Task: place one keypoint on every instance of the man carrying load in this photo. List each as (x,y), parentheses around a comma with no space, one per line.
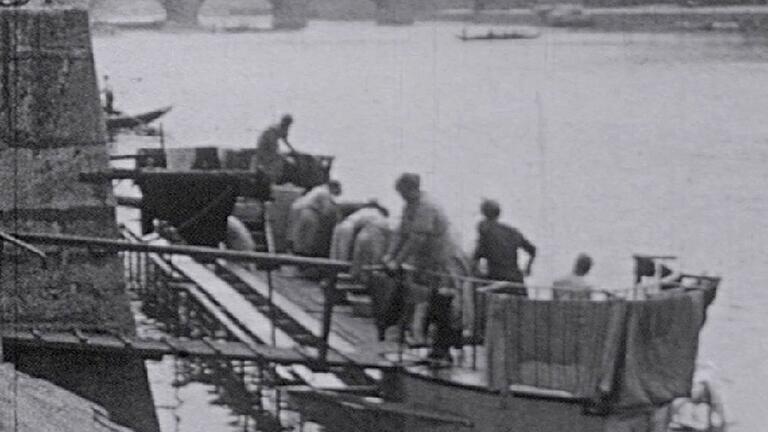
(313,217)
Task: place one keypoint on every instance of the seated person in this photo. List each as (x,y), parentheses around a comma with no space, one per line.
(574,286)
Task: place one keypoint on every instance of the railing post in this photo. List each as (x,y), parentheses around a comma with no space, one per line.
(329,296)
(273,328)
(475,325)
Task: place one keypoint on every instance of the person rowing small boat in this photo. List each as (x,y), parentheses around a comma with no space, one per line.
(118,120)
(492,35)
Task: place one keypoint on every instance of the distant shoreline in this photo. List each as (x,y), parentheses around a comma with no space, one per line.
(654,18)
(668,18)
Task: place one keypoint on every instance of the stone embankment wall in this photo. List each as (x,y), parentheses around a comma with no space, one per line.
(51,129)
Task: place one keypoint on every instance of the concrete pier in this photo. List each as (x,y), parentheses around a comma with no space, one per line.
(51,129)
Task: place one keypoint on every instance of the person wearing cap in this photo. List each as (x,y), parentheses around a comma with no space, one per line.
(423,240)
(574,286)
(312,218)
(498,244)
(267,156)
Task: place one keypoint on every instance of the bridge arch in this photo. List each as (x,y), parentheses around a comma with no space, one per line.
(290,14)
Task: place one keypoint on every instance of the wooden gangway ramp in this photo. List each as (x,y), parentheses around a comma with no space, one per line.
(157,348)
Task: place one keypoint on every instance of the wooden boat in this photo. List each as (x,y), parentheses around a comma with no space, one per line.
(565,16)
(416,396)
(125,121)
(491,35)
(224,185)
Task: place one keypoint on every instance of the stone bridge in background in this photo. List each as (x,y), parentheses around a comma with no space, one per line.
(285,13)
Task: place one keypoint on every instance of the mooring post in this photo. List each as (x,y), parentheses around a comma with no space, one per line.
(329,295)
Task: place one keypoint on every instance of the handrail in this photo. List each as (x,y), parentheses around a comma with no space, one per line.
(164,173)
(264,259)
(5,237)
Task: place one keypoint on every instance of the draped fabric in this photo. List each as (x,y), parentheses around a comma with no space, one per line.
(617,354)
(562,345)
(661,347)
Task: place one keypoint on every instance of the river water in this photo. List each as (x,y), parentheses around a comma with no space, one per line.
(610,144)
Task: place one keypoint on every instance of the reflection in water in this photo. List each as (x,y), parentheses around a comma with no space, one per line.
(218,396)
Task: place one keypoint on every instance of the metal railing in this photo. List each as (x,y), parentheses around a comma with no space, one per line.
(142,274)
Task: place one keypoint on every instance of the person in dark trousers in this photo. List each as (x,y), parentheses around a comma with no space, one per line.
(424,240)
(109,97)
(268,157)
(498,244)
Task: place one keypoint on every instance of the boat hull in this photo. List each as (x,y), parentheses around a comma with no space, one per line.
(505,36)
(418,402)
(123,121)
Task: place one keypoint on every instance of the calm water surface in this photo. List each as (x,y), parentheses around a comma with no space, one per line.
(606,143)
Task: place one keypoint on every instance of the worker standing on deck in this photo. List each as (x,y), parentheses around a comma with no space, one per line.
(312,219)
(267,157)
(498,244)
(423,240)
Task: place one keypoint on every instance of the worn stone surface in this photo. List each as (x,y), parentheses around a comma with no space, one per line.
(48,178)
(51,129)
(24,398)
(117,383)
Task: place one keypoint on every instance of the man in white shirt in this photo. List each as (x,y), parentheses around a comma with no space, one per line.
(574,286)
(313,217)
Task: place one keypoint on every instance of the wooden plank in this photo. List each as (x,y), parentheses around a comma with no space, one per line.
(204,301)
(310,323)
(149,348)
(379,406)
(232,301)
(316,379)
(211,307)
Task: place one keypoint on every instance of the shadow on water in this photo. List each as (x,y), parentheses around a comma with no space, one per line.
(193,394)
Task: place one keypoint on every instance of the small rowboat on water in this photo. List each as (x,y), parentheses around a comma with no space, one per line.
(491,35)
(125,121)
